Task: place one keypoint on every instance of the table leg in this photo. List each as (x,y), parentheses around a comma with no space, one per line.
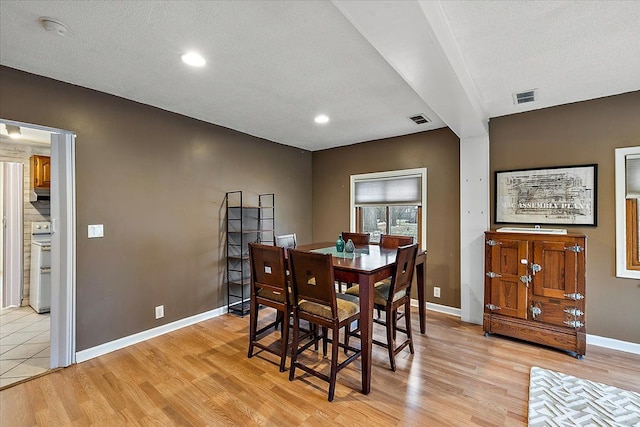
(420,282)
(366,328)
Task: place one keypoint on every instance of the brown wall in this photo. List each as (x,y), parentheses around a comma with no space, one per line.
(157,182)
(439,152)
(573,134)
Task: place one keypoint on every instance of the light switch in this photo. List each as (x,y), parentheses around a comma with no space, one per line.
(96,230)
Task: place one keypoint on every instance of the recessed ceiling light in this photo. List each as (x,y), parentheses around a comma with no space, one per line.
(53,26)
(321,119)
(194,59)
(13,131)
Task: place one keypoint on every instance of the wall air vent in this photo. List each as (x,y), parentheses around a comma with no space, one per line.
(420,119)
(523,97)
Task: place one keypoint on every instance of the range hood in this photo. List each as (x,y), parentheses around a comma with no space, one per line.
(39,194)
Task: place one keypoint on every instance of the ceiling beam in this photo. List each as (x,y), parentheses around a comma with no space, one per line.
(416,40)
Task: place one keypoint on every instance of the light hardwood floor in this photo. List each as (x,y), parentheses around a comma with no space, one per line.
(200,375)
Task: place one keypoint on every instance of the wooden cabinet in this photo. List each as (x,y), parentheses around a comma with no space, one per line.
(40,172)
(535,288)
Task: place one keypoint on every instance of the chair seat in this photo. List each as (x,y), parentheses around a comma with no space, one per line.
(348,305)
(384,281)
(381,292)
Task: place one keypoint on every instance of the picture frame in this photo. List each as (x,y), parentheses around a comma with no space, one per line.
(558,195)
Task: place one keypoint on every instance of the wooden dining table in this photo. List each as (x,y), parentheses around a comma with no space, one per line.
(366,266)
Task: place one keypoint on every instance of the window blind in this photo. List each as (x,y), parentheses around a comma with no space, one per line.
(402,190)
(633,175)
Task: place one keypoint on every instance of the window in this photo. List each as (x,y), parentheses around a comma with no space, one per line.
(390,203)
(628,212)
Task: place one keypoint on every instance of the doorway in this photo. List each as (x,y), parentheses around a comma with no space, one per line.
(62,220)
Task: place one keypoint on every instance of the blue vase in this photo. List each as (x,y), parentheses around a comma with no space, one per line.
(340,244)
(349,246)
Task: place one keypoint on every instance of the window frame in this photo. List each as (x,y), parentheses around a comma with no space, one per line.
(633,259)
(422,224)
(626,227)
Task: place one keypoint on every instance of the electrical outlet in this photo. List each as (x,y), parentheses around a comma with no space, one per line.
(436,292)
(159,311)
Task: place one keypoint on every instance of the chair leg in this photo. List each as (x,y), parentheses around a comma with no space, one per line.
(285,342)
(279,321)
(253,325)
(390,324)
(334,362)
(394,321)
(407,312)
(325,338)
(294,354)
(347,331)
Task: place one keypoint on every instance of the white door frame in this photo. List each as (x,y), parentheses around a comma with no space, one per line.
(63,244)
(63,238)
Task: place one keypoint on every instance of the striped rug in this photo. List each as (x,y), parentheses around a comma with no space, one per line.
(557,399)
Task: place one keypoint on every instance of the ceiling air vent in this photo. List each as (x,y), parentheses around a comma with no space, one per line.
(419,119)
(523,97)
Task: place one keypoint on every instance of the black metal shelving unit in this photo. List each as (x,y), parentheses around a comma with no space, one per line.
(245,224)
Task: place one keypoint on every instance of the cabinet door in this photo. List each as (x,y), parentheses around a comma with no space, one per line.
(41,171)
(558,274)
(508,294)
(45,167)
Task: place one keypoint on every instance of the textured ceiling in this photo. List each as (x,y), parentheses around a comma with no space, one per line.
(274,65)
(569,50)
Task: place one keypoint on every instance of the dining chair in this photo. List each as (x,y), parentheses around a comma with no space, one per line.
(393,242)
(269,287)
(316,301)
(389,297)
(390,241)
(287,241)
(358,239)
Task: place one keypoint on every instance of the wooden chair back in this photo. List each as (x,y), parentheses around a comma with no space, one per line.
(403,271)
(268,270)
(313,279)
(287,241)
(358,239)
(392,242)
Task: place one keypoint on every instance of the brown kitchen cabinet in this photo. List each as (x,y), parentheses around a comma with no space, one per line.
(535,288)
(40,172)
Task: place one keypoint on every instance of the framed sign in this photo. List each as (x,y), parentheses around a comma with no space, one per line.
(564,195)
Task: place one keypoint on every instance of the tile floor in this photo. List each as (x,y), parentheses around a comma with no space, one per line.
(24,344)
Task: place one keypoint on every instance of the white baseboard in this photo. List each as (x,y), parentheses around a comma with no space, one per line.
(613,344)
(439,308)
(605,342)
(108,347)
(105,348)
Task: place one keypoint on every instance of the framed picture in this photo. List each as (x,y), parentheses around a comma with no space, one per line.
(563,195)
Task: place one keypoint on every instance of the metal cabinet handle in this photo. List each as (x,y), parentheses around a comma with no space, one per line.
(535,311)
